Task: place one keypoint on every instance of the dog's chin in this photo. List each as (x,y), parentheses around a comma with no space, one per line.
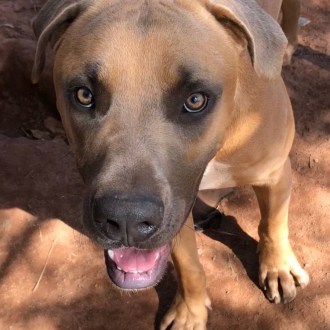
(134,269)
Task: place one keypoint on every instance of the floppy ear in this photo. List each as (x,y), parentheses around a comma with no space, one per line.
(50,24)
(266,41)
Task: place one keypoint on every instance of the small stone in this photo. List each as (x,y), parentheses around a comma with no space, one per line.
(303,21)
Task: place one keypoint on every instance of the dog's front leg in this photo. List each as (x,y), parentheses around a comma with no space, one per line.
(189,309)
(279,269)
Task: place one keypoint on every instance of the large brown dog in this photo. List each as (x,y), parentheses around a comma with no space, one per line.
(161,98)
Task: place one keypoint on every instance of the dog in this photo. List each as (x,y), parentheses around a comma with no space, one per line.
(161,99)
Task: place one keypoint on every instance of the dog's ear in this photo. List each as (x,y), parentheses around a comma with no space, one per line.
(265,40)
(50,24)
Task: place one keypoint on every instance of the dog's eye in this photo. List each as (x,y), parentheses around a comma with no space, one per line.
(84,97)
(196,102)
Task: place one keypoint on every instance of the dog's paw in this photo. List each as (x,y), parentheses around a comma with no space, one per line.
(280,271)
(184,315)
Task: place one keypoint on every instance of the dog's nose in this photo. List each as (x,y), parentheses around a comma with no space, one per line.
(128,219)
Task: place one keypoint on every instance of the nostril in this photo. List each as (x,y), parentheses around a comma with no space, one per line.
(146,228)
(113,225)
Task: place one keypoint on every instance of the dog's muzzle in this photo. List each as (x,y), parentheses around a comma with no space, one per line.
(130,221)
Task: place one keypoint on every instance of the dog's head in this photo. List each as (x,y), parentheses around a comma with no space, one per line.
(146,90)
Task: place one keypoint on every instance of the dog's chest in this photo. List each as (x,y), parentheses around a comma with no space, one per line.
(217,175)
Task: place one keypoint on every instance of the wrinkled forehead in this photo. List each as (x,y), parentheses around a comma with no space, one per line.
(134,43)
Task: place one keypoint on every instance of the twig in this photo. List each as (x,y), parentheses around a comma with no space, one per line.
(7,25)
(44,269)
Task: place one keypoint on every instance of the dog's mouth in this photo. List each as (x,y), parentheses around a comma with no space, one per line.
(132,269)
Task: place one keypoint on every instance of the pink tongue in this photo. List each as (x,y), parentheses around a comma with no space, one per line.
(132,260)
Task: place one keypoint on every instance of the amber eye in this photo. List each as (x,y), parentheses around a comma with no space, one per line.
(84,97)
(196,102)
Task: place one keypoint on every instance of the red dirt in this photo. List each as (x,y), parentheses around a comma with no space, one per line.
(52,277)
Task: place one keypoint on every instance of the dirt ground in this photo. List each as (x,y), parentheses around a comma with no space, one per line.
(52,277)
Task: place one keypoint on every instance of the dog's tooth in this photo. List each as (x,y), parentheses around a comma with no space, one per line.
(136,272)
(118,267)
(111,254)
